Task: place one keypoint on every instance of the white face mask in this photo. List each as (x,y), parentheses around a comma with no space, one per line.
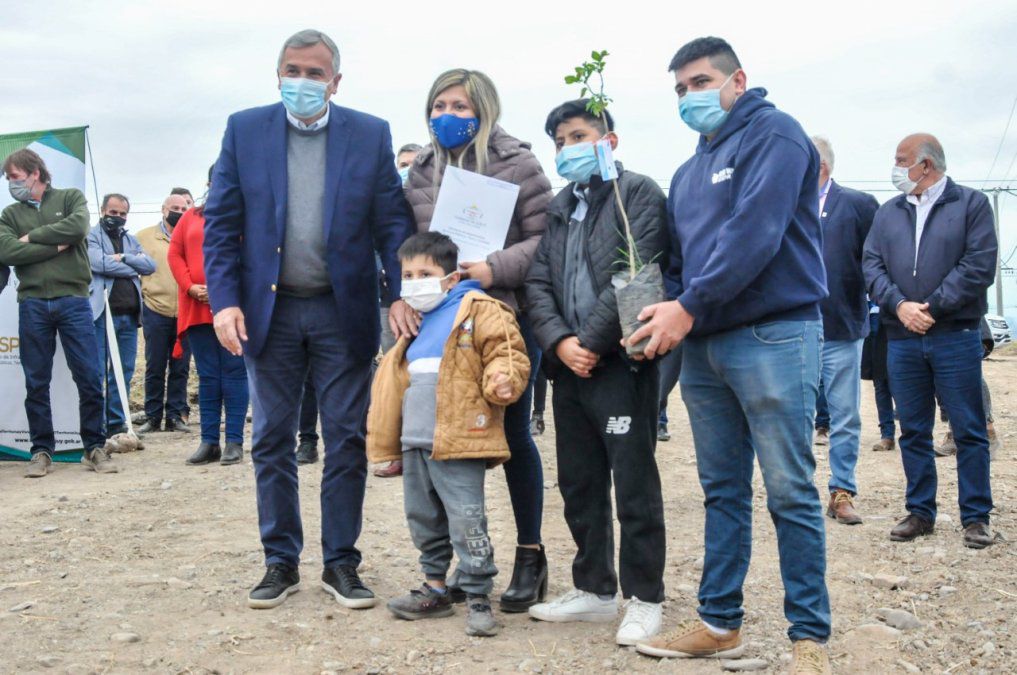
(901,179)
(424,295)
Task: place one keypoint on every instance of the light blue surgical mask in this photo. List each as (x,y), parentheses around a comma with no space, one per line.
(404,174)
(577,162)
(302,97)
(701,110)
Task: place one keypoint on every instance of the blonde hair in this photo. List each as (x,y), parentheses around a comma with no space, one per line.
(483,97)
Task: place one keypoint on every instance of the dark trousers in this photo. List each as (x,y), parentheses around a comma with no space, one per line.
(822,408)
(524,473)
(308,335)
(309,413)
(670,370)
(164,396)
(884,408)
(607,429)
(947,365)
(222,382)
(540,393)
(39,322)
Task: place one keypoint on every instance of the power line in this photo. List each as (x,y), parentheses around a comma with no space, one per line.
(1002,140)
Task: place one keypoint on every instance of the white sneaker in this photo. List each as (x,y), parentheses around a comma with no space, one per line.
(576,605)
(641,622)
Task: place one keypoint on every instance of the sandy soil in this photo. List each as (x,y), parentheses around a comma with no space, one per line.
(148,570)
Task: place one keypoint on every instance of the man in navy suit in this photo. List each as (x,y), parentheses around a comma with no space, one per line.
(303,194)
(846,216)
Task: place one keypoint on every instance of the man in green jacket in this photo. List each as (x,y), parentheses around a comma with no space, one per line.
(42,235)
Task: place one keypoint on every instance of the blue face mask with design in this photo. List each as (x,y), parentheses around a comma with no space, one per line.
(452,131)
(577,162)
(701,110)
(303,98)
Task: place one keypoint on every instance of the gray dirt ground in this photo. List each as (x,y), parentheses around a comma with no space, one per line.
(168,552)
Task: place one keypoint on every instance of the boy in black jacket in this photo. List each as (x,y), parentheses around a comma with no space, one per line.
(605,406)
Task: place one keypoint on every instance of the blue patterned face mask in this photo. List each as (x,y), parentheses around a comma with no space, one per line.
(302,97)
(452,131)
(701,110)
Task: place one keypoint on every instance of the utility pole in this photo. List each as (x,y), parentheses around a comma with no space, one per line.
(999,255)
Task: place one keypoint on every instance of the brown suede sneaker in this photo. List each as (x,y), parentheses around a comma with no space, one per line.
(947,447)
(884,445)
(822,436)
(809,658)
(693,639)
(97,459)
(842,508)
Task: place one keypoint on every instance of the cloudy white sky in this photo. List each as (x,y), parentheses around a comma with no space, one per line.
(156,81)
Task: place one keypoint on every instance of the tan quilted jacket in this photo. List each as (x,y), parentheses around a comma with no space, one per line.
(469,418)
(511,160)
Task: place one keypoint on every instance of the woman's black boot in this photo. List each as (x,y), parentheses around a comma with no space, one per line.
(529,580)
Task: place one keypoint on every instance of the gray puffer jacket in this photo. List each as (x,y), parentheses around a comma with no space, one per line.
(601,332)
(510,160)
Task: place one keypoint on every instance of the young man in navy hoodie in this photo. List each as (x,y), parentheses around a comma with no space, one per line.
(747,258)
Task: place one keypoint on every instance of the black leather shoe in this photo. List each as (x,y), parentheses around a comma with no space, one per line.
(279,582)
(149,427)
(529,580)
(177,425)
(205,454)
(307,453)
(911,528)
(343,583)
(978,535)
(233,454)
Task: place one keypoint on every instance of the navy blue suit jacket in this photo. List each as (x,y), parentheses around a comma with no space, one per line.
(245,220)
(846,217)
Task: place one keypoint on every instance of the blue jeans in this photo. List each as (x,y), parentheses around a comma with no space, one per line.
(948,365)
(222,382)
(884,408)
(822,407)
(670,371)
(524,472)
(39,322)
(125,327)
(307,334)
(751,393)
(164,393)
(841,377)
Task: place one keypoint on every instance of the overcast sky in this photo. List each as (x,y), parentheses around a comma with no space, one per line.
(155,82)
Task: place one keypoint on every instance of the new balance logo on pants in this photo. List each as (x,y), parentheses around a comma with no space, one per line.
(618,426)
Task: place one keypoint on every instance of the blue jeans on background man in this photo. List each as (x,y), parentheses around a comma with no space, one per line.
(670,371)
(884,408)
(842,363)
(222,383)
(751,393)
(524,472)
(165,395)
(39,322)
(308,335)
(948,365)
(308,429)
(125,327)
(822,408)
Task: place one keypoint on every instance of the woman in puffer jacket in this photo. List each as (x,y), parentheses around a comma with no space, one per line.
(462,114)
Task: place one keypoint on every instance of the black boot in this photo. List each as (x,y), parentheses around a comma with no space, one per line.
(206,453)
(529,580)
(233,454)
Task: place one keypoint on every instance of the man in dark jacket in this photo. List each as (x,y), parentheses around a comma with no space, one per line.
(746,246)
(846,216)
(605,407)
(929,259)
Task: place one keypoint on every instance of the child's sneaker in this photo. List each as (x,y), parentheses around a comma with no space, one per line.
(576,605)
(641,622)
(479,619)
(422,603)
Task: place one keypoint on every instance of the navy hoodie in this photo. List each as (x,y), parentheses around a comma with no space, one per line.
(746,242)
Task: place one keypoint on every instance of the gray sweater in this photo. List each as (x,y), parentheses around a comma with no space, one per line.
(304,268)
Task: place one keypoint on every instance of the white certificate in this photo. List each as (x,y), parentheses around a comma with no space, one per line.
(475,212)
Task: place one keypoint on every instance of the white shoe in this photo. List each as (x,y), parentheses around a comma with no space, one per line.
(576,605)
(641,622)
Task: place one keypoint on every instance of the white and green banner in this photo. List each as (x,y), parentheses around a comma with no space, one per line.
(63,150)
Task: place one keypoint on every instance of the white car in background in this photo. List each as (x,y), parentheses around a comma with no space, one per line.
(1001,331)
